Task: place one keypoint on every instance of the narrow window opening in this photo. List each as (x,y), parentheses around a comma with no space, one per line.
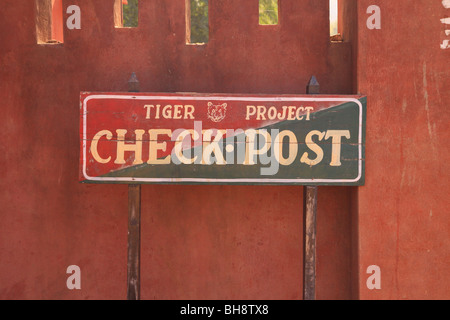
(268,12)
(49,22)
(126,13)
(335,36)
(197,22)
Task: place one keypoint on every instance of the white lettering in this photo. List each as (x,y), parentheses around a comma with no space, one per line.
(74,21)
(374,21)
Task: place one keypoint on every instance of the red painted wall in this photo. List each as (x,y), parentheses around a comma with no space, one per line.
(223,242)
(403,214)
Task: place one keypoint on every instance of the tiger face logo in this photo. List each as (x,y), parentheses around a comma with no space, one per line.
(217,112)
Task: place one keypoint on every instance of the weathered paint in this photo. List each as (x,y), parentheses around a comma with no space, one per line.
(226,242)
(405,73)
(222,139)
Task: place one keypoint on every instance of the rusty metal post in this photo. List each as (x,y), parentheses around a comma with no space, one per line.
(309,225)
(134,227)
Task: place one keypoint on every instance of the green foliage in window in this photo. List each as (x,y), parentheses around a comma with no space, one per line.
(130,14)
(268,12)
(199,21)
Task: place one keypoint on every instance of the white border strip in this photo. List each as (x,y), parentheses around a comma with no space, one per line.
(220,98)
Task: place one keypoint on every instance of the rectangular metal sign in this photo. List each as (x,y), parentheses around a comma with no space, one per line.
(222,139)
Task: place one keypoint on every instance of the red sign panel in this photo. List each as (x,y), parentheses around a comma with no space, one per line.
(200,138)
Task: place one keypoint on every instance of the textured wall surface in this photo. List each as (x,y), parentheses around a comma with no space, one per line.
(225,242)
(403,210)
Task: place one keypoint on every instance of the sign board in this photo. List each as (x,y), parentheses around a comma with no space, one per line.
(222,139)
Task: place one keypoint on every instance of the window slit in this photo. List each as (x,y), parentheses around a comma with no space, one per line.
(268,12)
(49,21)
(126,13)
(197,22)
(335,36)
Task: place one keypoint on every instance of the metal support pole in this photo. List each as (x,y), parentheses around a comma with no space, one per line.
(309,225)
(134,227)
